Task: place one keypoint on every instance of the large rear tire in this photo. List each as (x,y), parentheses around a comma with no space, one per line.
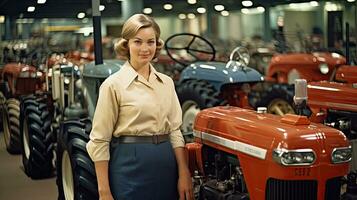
(278,99)
(36,137)
(10,118)
(195,95)
(76,178)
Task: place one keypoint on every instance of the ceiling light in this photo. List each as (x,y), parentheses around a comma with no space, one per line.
(245,10)
(247,3)
(224,13)
(182,16)
(81,15)
(314,3)
(191,16)
(167,6)
(260,9)
(101,7)
(85,20)
(147,10)
(351,0)
(191,1)
(2,19)
(31,9)
(219,7)
(41,1)
(201,10)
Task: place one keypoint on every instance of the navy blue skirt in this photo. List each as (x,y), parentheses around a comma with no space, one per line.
(143,171)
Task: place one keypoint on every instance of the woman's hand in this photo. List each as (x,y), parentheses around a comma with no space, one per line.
(184,186)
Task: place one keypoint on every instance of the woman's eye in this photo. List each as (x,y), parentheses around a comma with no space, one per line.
(151,42)
(137,42)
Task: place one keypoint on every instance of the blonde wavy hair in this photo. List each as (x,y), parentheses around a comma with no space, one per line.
(130,29)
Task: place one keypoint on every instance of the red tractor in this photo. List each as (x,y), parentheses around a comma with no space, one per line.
(17,79)
(240,154)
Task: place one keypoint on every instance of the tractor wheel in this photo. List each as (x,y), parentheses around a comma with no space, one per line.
(10,118)
(278,99)
(2,103)
(36,138)
(195,95)
(76,178)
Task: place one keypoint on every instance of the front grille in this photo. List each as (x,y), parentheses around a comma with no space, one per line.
(333,188)
(291,189)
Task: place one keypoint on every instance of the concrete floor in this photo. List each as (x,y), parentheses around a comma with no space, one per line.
(14,184)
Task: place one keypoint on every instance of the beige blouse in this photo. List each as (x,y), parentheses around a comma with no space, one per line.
(128,104)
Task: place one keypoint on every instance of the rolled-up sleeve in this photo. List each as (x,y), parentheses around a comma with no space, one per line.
(104,121)
(175,118)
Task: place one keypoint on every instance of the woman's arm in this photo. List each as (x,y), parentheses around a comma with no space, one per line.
(184,183)
(101,169)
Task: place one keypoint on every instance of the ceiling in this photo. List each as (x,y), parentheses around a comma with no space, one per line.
(70,8)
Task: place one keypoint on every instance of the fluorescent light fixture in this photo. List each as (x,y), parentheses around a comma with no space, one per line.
(224,13)
(257,10)
(147,10)
(2,19)
(31,9)
(168,6)
(314,3)
(201,10)
(351,0)
(332,6)
(191,1)
(245,11)
(81,15)
(219,7)
(247,3)
(182,16)
(191,16)
(261,9)
(41,1)
(85,20)
(101,7)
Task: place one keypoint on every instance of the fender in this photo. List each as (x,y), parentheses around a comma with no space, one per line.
(219,73)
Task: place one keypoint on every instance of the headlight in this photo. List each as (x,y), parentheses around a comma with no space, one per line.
(341,155)
(324,68)
(294,157)
(66,80)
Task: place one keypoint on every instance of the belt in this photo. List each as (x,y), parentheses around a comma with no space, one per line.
(152,139)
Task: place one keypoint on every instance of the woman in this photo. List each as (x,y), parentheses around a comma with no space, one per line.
(135,142)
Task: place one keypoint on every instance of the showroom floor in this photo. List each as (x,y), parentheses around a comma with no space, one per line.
(14,184)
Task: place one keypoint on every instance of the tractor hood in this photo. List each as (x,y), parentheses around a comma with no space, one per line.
(93,76)
(347,74)
(16,68)
(219,73)
(332,95)
(104,70)
(331,59)
(257,135)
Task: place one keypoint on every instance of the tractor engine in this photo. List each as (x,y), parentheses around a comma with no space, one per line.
(224,178)
(345,121)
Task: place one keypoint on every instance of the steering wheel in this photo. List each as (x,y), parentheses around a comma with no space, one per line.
(241,55)
(195,48)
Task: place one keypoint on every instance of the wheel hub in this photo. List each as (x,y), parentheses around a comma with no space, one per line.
(280,107)
(190,110)
(26,139)
(67,177)
(5,121)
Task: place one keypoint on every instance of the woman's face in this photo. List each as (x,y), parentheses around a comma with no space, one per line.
(142,46)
